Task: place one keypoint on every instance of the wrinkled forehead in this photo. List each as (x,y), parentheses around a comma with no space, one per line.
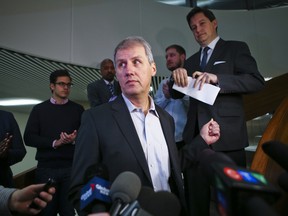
(130,52)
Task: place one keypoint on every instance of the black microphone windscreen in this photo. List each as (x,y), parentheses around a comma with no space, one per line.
(126,187)
(257,206)
(144,196)
(163,203)
(283,181)
(278,152)
(209,157)
(134,209)
(235,185)
(142,212)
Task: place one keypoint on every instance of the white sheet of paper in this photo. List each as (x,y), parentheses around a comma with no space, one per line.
(207,94)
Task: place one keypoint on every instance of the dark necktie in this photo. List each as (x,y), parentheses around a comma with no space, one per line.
(111,88)
(204,58)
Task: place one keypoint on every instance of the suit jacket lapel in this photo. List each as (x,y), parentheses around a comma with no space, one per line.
(197,61)
(169,137)
(166,130)
(192,64)
(125,124)
(105,91)
(173,154)
(216,52)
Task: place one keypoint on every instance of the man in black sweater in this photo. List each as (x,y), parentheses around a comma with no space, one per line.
(52,129)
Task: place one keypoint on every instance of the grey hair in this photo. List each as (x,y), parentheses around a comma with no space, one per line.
(132,41)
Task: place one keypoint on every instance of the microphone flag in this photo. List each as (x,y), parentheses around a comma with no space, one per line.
(96,189)
(235,185)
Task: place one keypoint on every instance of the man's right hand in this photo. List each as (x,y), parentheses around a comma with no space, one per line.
(210,132)
(65,139)
(180,77)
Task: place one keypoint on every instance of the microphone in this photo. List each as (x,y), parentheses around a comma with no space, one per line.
(144,196)
(135,208)
(257,206)
(163,203)
(278,152)
(234,186)
(209,157)
(95,194)
(124,189)
(148,203)
(283,181)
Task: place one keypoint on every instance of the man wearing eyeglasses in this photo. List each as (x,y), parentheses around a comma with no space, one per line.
(51,129)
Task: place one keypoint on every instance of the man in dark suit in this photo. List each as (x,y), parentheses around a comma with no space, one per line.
(229,65)
(12,149)
(131,133)
(106,89)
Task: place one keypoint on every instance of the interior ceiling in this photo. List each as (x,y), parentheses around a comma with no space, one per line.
(27,76)
(228,4)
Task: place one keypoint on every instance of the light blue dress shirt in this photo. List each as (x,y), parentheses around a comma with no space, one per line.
(177,108)
(153,143)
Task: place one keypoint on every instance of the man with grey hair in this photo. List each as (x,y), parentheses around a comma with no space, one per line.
(131,133)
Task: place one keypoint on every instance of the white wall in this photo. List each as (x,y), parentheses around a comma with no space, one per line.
(86,31)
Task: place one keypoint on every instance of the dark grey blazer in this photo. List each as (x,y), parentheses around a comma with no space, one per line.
(237,74)
(107,135)
(98,92)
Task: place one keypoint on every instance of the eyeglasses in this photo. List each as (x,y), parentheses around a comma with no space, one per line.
(62,84)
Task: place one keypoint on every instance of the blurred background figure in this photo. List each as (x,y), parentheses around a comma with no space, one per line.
(177,108)
(107,88)
(12,149)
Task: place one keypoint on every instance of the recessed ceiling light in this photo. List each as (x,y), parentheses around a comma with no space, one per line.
(19,102)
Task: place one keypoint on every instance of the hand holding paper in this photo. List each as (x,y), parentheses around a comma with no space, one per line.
(207,94)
